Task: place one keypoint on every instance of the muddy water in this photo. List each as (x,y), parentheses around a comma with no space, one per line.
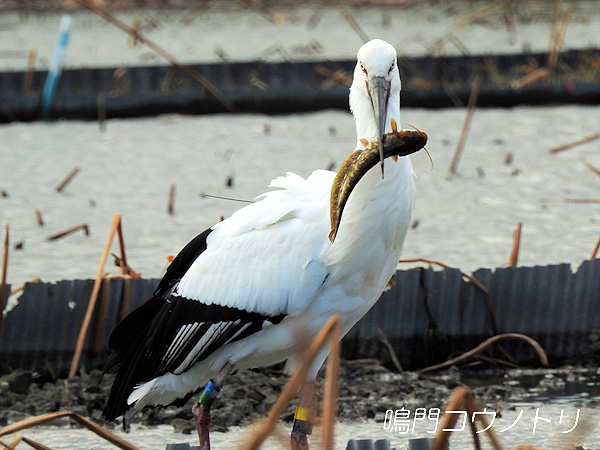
(130,168)
(556,426)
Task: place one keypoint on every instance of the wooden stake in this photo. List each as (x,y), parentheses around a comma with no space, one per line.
(514,253)
(93,297)
(585,140)
(67,180)
(466,125)
(3,290)
(83,226)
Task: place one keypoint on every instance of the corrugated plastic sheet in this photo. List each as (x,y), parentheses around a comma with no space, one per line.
(427,316)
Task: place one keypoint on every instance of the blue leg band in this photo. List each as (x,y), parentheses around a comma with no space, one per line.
(210,393)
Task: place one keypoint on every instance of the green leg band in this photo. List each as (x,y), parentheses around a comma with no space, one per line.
(209,394)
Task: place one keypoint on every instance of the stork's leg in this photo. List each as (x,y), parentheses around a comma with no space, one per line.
(201,409)
(302,421)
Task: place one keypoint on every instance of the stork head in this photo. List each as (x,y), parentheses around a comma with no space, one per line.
(375,91)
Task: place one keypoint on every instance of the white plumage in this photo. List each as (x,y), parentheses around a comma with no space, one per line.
(270,270)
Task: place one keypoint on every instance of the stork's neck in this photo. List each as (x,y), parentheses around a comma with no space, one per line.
(366,126)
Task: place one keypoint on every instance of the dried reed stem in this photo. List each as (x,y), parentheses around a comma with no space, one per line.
(61,187)
(28,79)
(83,226)
(536,75)
(331,390)
(558,37)
(101,111)
(171,206)
(350,19)
(93,297)
(162,52)
(595,250)
(513,259)
(125,269)
(291,388)
(536,346)
(93,427)
(3,293)
(338,76)
(466,125)
(35,444)
(38,216)
(585,140)
(591,167)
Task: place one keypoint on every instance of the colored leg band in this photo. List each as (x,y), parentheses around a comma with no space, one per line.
(302,426)
(210,393)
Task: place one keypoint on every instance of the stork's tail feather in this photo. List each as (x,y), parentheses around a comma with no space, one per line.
(126,344)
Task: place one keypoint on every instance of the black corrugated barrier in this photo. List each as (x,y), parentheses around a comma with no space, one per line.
(427,316)
(287,87)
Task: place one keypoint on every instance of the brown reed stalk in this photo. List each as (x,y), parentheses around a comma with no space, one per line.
(171,205)
(530,78)
(35,444)
(328,332)
(591,167)
(570,145)
(61,187)
(331,389)
(28,79)
(350,19)
(162,52)
(464,400)
(125,269)
(39,217)
(595,250)
(467,124)
(93,297)
(338,76)
(101,111)
(62,234)
(513,259)
(93,427)
(558,37)
(3,273)
(451,362)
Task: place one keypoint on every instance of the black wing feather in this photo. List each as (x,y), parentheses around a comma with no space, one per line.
(147,343)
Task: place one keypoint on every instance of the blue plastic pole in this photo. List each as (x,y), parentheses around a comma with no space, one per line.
(66,24)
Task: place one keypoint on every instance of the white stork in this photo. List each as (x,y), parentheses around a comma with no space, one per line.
(236,296)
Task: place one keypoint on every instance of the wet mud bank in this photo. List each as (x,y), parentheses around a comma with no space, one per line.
(366,391)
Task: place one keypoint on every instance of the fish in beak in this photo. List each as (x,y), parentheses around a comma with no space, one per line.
(355,166)
(379,93)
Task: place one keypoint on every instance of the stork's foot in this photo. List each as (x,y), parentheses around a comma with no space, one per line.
(202,416)
(299,441)
(300,430)
(201,409)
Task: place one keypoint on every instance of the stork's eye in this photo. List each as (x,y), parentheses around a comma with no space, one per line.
(363,68)
(391,67)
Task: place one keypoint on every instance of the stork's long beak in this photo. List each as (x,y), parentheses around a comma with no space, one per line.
(355,166)
(379,92)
